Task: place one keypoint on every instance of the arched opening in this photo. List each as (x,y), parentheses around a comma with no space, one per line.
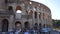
(44,25)
(39,15)
(36,23)
(27,25)
(6,1)
(43,16)
(18,9)
(34,8)
(40,25)
(35,14)
(36,26)
(10,8)
(30,12)
(5,25)
(18,25)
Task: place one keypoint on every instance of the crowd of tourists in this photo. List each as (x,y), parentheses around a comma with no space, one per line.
(34,30)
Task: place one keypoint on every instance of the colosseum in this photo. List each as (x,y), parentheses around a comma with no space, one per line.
(19,14)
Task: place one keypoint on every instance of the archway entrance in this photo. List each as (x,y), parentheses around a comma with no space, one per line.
(27,25)
(10,8)
(18,9)
(30,12)
(18,25)
(36,26)
(40,25)
(5,25)
(44,25)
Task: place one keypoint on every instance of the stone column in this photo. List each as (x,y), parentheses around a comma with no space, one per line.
(22,22)
(10,28)
(0,25)
(38,14)
(41,16)
(33,18)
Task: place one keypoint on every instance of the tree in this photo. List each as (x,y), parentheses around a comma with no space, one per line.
(56,23)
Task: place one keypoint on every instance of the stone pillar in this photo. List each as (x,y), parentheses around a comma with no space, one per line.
(42,17)
(0,25)
(31,23)
(10,28)
(33,18)
(22,23)
(38,14)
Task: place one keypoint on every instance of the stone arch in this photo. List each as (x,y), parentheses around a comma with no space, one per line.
(35,14)
(40,25)
(27,25)
(6,1)
(36,23)
(36,26)
(18,25)
(39,15)
(44,25)
(18,8)
(10,8)
(5,25)
(30,12)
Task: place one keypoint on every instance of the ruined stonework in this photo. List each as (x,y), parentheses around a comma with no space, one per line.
(30,13)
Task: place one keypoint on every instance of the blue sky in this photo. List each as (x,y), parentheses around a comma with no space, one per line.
(54,6)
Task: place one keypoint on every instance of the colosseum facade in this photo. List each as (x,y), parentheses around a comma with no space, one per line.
(19,14)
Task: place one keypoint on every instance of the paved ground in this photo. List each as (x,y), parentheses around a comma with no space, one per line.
(55,32)
(52,32)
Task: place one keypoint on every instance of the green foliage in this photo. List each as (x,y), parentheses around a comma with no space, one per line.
(56,23)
